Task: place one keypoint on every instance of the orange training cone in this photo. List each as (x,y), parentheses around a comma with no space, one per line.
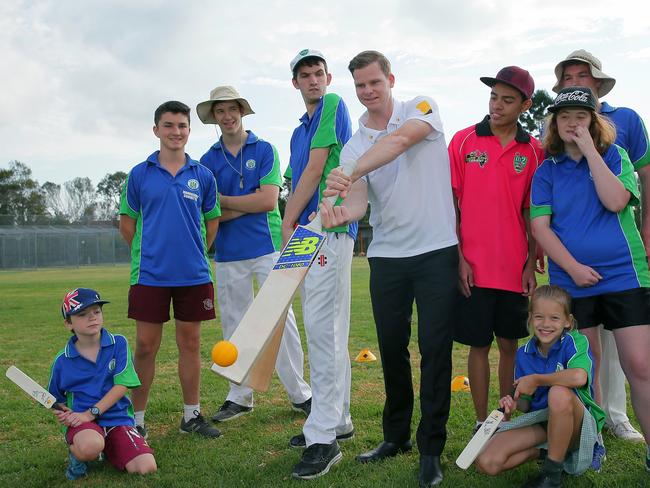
(460,383)
(365,356)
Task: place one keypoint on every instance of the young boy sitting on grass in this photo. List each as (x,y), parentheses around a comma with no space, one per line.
(90,377)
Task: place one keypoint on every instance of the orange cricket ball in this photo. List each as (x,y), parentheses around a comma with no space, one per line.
(224,353)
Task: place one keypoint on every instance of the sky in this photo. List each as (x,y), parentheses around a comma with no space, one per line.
(80,79)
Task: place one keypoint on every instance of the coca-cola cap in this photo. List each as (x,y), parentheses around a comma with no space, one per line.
(574,97)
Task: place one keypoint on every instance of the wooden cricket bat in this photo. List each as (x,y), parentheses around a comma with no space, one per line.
(480,439)
(263,323)
(33,389)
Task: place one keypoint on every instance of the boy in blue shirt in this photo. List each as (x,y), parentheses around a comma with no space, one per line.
(169,217)
(90,377)
(247,171)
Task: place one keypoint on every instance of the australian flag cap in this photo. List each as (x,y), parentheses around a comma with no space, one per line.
(79,299)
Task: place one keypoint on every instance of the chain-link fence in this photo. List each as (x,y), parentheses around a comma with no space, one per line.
(72,245)
(43,246)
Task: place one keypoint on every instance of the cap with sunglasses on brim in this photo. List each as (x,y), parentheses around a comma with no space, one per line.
(305,53)
(595,66)
(515,77)
(78,300)
(574,97)
(221,94)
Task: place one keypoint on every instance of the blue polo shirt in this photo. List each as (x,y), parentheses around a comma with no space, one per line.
(253,234)
(570,351)
(606,241)
(80,383)
(631,133)
(169,246)
(328,127)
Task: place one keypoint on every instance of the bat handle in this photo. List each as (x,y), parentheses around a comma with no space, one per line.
(348,166)
(57,406)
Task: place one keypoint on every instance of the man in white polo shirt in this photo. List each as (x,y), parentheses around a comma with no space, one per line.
(403,169)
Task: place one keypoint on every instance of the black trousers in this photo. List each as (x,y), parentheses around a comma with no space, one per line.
(430,280)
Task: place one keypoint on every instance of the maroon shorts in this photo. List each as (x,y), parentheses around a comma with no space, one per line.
(191,303)
(122,443)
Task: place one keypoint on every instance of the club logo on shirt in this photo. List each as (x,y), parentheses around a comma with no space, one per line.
(477,156)
(519,162)
(424,107)
(193,184)
(559,367)
(250,164)
(111,365)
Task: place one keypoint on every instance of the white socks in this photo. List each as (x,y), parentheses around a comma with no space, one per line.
(191,411)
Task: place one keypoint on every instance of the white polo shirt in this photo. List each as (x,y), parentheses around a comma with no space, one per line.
(411,205)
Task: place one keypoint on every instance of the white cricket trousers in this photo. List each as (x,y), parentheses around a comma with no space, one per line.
(612,380)
(325,297)
(234,296)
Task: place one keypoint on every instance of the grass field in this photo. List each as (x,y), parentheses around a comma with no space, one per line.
(254,449)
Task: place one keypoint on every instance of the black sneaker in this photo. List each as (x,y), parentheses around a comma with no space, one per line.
(199,426)
(142,430)
(317,460)
(298,441)
(304,407)
(229,411)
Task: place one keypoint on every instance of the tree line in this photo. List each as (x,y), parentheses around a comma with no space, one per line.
(23,201)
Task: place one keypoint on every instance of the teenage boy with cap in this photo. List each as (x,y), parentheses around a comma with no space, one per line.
(403,168)
(492,166)
(581,68)
(315,148)
(169,216)
(247,171)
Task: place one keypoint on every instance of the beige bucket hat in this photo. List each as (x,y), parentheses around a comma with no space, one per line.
(582,56)
(221,94)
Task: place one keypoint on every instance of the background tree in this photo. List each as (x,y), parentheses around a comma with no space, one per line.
(109,190)
(21,199)
(284,195)
(81,199)
(533,119)
(55,205)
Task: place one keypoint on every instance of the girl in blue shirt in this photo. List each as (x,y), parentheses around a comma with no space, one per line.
(553,384)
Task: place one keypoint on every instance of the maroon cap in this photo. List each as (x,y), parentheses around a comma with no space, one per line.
(514,76)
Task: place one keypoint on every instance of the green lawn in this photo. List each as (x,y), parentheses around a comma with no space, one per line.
(253,450)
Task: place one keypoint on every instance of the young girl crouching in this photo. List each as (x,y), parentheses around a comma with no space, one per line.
(553,385)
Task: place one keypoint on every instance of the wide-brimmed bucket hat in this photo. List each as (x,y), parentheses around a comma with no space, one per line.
(221,94)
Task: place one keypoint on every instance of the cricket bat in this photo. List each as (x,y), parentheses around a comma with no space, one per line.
(480,439)
(33,389)
(258,327)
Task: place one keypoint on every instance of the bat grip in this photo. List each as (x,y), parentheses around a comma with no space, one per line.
(57,406)
(347,167)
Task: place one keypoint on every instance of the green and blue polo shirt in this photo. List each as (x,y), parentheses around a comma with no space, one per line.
(169,246)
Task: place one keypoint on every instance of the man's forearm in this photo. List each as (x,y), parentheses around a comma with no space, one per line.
(391,146)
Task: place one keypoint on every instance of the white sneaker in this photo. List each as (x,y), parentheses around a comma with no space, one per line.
(625,431)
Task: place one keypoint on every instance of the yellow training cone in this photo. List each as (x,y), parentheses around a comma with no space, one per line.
(365,356)
(460,383)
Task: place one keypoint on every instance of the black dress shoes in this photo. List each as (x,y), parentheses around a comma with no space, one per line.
(430,471)
(384,450)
